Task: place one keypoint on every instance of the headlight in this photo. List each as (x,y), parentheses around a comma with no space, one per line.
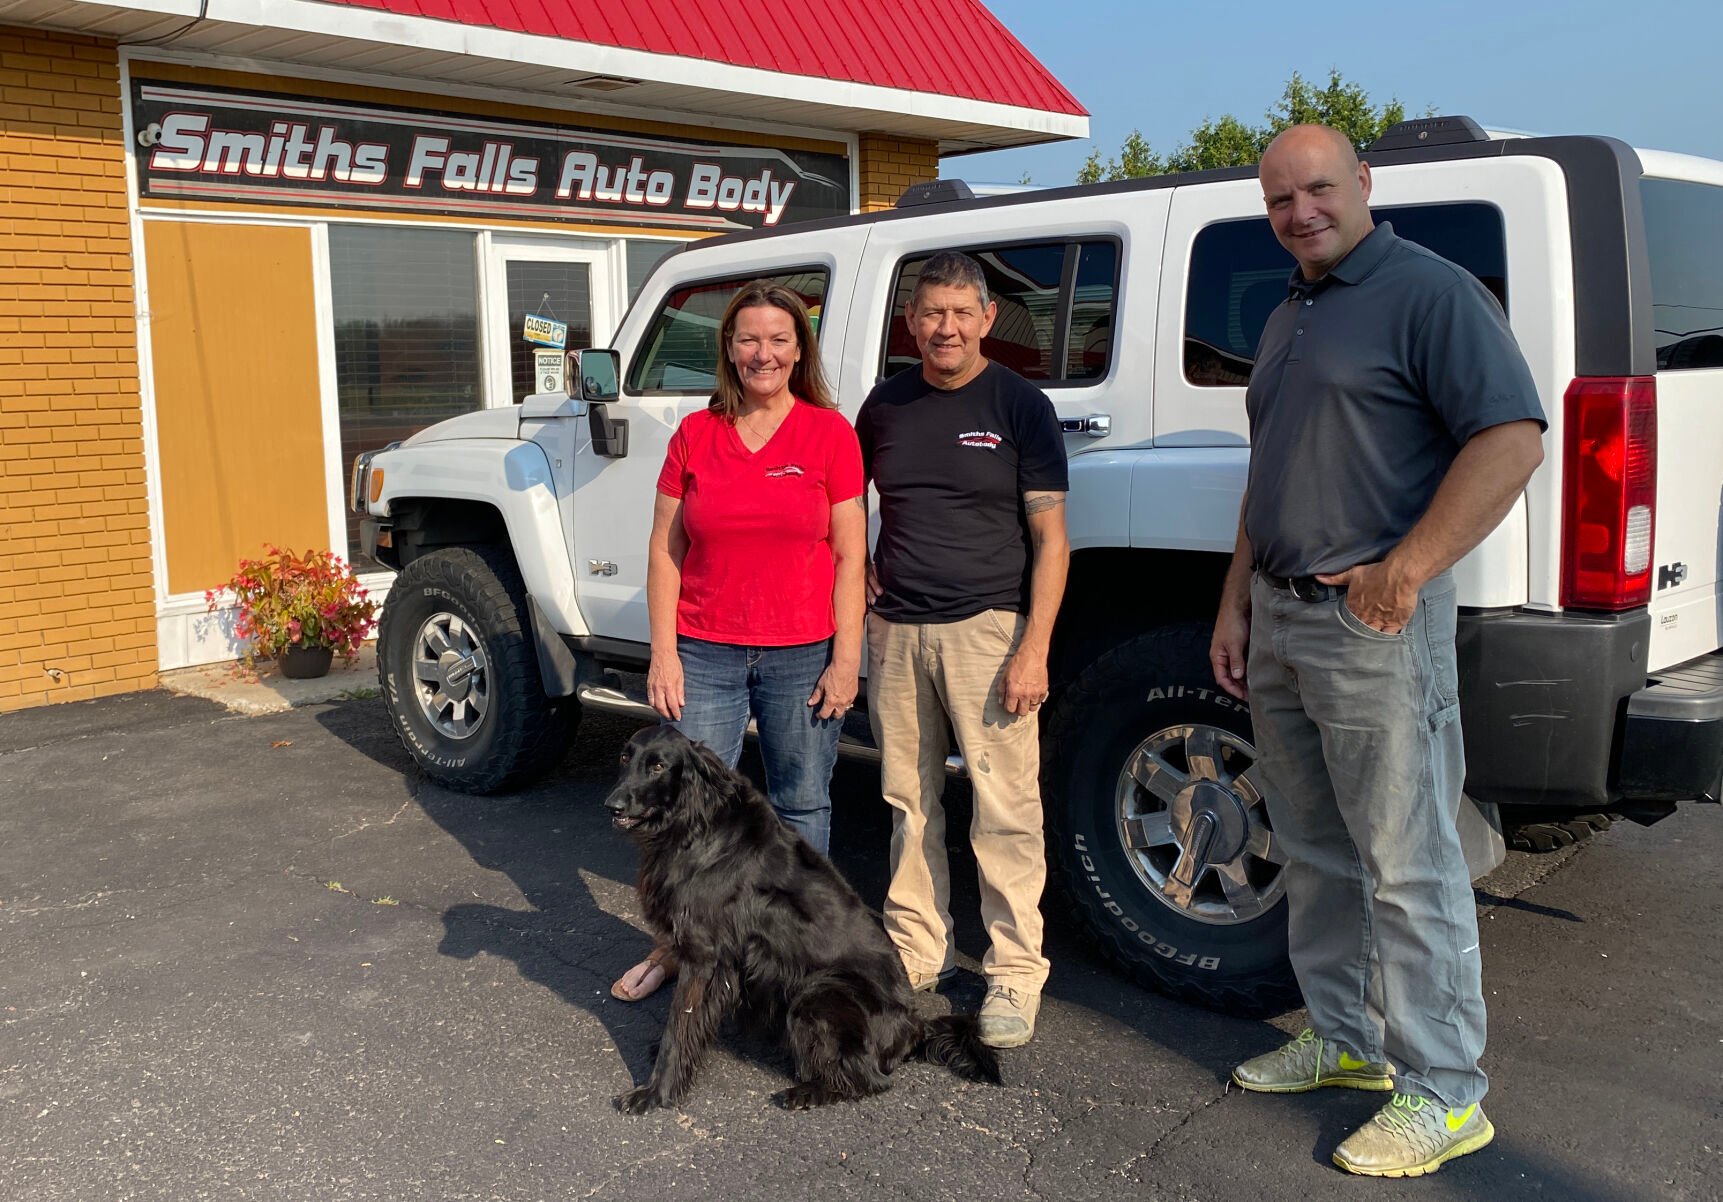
(359,487)
(365,486)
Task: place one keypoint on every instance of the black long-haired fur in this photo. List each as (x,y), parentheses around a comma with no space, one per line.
(764,926)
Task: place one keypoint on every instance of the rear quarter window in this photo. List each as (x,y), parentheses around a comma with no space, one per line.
(1239,273)
(1684,241)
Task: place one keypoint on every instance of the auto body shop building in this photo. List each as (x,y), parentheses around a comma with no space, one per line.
(244,240)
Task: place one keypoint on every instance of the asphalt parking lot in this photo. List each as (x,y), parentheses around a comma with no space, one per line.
(260,957)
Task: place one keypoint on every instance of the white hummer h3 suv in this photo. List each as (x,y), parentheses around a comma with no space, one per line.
(1591,677)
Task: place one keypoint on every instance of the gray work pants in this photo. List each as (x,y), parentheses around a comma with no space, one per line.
(1358,738)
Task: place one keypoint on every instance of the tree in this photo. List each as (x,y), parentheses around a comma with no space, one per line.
(1229,142)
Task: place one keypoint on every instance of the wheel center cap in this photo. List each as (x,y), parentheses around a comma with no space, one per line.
(457,673)
(1221,821)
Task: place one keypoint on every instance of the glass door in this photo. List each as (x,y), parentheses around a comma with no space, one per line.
(539,286)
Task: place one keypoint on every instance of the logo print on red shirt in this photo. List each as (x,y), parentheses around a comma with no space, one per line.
(985,439)
(784,469)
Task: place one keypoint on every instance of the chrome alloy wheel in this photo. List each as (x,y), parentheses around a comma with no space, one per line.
(1194,827)
(451,678)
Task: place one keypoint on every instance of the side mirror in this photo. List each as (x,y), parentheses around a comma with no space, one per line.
(593,375)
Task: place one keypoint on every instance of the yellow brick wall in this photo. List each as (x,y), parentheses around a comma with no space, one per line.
(889,165)
(77,598)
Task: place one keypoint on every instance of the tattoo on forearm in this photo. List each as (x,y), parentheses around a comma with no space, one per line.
(1043,502)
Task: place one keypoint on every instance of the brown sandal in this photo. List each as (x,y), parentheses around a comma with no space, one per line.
(660,957)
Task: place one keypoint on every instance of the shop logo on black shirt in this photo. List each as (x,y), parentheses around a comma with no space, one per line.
(784,469)
(987,440)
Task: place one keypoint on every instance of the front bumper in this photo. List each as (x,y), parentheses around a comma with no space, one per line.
(376,540)
(1559,710)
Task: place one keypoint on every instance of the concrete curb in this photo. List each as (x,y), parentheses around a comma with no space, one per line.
(267,691)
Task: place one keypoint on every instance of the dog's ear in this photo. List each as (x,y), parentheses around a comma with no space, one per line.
(708,783)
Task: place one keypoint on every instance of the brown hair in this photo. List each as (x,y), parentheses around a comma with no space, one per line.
(807,378)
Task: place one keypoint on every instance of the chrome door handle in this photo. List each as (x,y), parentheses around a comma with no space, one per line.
(1096,425)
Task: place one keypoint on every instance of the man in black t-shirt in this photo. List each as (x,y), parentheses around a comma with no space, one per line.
(967,576)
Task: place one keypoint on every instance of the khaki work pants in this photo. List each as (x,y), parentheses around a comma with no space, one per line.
(918,676)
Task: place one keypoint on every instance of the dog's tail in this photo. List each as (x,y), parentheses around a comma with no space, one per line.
(953,1041)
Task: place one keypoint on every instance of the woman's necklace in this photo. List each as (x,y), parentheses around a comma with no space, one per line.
(761,431)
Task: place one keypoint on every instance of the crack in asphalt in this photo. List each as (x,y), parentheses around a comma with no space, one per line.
(1004,1137)
(1128,1169)
(10,910)
(368,824)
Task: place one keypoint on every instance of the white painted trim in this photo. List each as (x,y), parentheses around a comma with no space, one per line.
(146,362)
(487,352)
(323,310)
(451,37)
(498,251)
(396,220)
(855,174)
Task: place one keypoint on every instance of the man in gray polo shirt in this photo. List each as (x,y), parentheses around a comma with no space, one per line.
(1393,425)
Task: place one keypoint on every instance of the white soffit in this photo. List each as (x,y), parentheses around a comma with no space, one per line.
(416,50)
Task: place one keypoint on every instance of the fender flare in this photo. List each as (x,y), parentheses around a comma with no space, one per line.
(515,479)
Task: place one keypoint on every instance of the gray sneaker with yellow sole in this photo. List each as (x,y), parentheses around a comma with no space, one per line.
(1412,1136)
(1310,1062)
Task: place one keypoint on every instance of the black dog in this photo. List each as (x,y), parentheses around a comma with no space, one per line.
(764,926)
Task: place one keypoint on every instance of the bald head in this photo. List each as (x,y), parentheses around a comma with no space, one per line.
(1317,194)
(1316,139)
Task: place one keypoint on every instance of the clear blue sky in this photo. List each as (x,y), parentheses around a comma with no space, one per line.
(1649,72)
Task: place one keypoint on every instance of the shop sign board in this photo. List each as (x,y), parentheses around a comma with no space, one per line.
(196,142)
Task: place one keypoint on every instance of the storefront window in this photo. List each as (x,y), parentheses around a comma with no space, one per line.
(643,255)
(406,337)
(547,288)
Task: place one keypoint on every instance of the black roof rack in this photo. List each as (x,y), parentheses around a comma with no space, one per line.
(934,192)
(1429,131)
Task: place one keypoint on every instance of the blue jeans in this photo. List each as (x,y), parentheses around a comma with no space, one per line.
(1358,739)
(726,684)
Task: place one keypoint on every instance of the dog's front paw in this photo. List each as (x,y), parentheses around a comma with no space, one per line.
(639,1101)
(806,1096)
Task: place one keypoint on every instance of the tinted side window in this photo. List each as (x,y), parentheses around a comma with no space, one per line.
(1055,317)
(1684,237)
(680,351)
(1239,274)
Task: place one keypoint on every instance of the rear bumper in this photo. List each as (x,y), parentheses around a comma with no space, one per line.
(1559,711)
(1672,741)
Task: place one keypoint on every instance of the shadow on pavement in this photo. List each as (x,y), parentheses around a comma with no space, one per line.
(1486,898)
(553,840)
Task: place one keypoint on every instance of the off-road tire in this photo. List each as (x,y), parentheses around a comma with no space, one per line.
(522,733)
(1155,682)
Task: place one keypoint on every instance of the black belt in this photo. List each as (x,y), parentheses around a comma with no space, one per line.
(1305,588)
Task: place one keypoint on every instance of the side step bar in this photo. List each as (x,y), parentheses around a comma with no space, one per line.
(855,742)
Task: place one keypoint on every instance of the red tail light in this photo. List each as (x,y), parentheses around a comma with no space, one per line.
(1609,492)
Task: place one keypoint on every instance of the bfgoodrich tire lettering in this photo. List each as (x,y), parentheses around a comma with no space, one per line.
(459,673)
(1149,710)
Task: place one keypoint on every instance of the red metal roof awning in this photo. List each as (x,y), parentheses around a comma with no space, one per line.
(947,47)
(945,71)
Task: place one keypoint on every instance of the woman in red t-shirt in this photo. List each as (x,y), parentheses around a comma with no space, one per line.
(754,581)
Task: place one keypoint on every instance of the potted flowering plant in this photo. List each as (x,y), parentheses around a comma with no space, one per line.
(298,609)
